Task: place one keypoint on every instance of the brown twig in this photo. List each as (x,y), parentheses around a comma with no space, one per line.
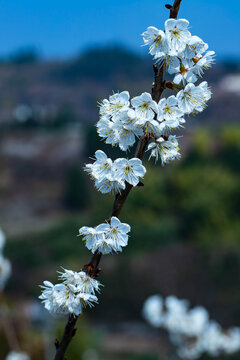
(92,267)
(174,9)
(68,334)
(171,85)
(159,83)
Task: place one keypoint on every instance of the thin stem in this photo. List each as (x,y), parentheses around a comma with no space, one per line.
(175,9)
(92,267)
(68,334)
(158,85)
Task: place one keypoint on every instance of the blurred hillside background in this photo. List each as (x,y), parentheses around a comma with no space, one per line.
(185,221)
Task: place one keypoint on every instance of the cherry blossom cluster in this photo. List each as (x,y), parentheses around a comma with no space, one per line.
(5,265)
(106,238)
(111,176)
(190,330)
(76,291)
(122,119)
(186,56)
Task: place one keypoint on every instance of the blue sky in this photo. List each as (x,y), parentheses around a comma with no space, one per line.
(60,28)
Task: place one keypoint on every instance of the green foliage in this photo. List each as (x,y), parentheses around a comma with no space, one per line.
(194,200)
(203,199)
(3,344)
(76,194)
(36,253)
(191,202)
(28,55)
(85,338)
(127,356)
(230,147)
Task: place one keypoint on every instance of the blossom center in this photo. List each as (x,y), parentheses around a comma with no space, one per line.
(158,40)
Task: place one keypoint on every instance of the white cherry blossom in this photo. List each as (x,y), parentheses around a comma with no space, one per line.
(101,167)
(115,233)
(204,62)
(166,150)
(69,297)
(110,185)
(193,98)
(129,170)
(116,103)
(156,40)
(50,295)
(80,280)
(114,236)
(128,129)
(194,47)
(111,176)
(177,35)
(104,246)
(186,73)
(172,64)
(90,236)
(168,109)
(206,92)
(107,131)
(144,105)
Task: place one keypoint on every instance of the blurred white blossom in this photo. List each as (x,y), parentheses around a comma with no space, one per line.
(190,330)
(5,265)
(16,355)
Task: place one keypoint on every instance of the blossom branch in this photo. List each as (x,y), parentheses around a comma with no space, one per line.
(158,85)
(121,121)
(92,267)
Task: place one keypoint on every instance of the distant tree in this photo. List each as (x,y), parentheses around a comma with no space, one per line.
(26,55)
(102,63)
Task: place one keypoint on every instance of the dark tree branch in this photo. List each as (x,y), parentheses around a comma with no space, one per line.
(92,267)
(68,334)
(174,9)
(158,85)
